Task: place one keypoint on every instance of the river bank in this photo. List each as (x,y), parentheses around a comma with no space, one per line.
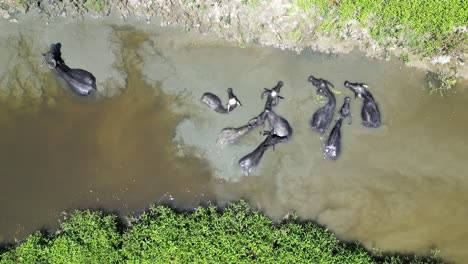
(236,234)
(428,36)
(155,141)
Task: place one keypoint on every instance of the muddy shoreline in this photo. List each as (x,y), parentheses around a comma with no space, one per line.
(273,24)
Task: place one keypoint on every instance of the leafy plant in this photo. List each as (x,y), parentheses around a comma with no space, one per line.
(440,82)
(237,234)
(86,237)
(404,57)
(251,3)
(97,5)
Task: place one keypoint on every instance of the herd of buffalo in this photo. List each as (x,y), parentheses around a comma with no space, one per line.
(280,130)
(83,83)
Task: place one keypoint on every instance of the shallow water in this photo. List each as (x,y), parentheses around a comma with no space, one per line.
(114,154)
(399,187)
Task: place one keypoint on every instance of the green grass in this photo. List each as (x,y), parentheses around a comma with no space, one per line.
(97,5)
(251,3)
(295,34)
(426,27)
(161,235)
(22,4)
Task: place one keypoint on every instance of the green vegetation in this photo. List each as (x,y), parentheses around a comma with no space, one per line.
(87,237)
(426,27)
(440,82)
(235,235)
(22,4)
(404,57)
(251,3)
(295,34)
(97,5)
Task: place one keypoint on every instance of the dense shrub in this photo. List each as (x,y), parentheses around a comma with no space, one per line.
(161,235)
(86,237)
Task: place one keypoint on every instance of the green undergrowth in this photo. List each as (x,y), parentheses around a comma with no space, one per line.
(425,27)
(251,3)
(21,4)
(97,5)
(161,235)
(439,82)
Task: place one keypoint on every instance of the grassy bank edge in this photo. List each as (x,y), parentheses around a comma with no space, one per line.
(235,234)
(412,29)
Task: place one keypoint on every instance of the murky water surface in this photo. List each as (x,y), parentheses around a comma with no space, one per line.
(400,187)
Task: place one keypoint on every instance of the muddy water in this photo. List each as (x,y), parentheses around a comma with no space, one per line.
(114,154)
(399,187)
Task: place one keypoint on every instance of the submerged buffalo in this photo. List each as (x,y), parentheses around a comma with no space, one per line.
(216,104)
(251,160)
(279,126)
(370,111)
(231,135)
(324,115)
(332,147)
(273,95)
(345,110)
(80,81)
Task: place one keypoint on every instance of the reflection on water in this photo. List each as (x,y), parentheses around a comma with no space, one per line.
(399,187)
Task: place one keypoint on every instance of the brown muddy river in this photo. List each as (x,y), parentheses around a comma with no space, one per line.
(401,187)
